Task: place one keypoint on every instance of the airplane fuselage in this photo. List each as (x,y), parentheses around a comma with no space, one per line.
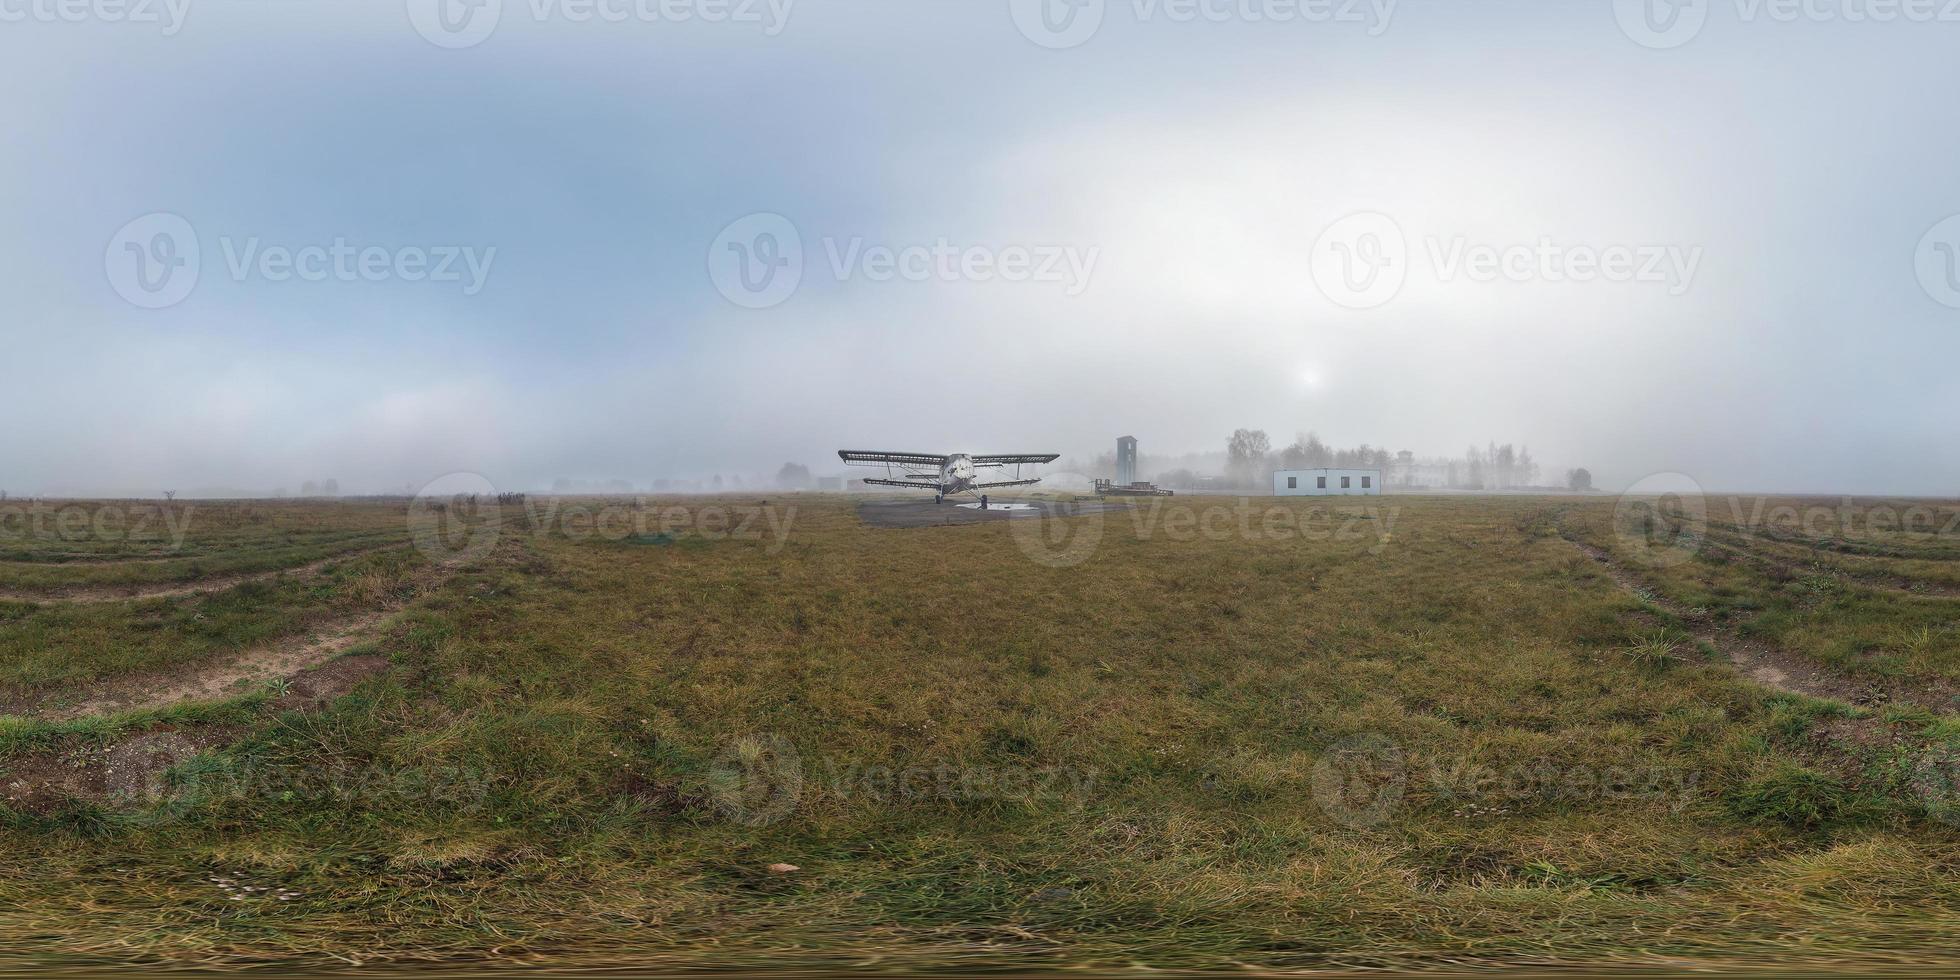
(957,475)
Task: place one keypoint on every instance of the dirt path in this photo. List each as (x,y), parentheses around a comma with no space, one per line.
(129,770)
(211,681)
(135,592)
(1770,667)
(224,676)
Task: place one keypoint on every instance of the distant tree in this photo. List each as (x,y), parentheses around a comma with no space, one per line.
(1527,468)
(1579,479)
(330,488)
(1294,457)
(170,495)
(793,476)
(1245,455)
(309,489)
(1504,460)
(1178,479)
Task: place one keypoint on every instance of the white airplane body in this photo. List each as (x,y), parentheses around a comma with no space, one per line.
(944,475)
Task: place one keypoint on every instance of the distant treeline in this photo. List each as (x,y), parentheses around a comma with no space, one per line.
(1249,461)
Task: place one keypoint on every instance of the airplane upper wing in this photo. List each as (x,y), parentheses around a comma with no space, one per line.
(1013,458)
(856,457)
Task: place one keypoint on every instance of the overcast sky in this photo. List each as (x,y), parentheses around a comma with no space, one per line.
(532,243)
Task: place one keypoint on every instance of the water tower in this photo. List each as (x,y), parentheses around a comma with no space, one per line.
(1126,461)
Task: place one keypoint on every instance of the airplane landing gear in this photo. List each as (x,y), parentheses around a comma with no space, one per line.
(938,498)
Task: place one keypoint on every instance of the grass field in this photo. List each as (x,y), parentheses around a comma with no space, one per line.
(1197,733)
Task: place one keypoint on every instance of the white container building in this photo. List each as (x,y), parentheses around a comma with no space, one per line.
(1326,483)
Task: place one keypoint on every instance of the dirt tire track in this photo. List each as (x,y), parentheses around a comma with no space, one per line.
(78,559)
(1894,585)
(214,679)
(1770,667)
(135,593)
(129,770)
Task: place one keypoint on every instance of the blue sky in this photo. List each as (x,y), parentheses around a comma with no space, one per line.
(1195,171)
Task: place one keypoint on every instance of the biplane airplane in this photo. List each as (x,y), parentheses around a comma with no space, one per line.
(945,475)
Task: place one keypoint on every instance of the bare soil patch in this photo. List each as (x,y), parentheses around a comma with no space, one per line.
(130,771)
(127,772)
(320,685)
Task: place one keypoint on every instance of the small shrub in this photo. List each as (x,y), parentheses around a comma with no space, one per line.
(1654,652)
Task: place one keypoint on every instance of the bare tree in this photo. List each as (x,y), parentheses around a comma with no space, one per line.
(1245,455)
(170,495)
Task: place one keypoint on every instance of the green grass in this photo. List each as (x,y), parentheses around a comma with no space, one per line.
(1461,745)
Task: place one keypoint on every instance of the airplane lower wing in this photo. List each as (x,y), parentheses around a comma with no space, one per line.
(903,483)
(1006,483)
